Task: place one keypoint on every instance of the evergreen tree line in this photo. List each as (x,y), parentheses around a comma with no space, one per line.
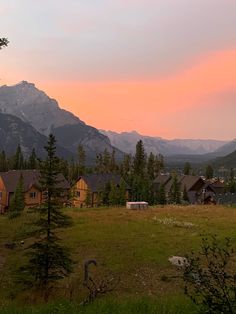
(18,161)
(138,171)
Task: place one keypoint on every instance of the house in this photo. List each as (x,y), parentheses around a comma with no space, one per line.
(31,186)
(219,187)
(93,185)
(198,191)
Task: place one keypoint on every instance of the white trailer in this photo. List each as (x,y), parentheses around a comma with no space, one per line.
(136,205)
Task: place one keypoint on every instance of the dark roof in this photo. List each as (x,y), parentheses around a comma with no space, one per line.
(30,178)
(218,184)
(190,181)
(162,179)
(183,180)
(97,182)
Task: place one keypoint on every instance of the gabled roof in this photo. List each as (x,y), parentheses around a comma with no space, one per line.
(190,181)
(162,179)
(183,180)
(30,178)
(96,182)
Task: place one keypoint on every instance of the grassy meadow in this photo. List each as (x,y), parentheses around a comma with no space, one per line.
(131,246)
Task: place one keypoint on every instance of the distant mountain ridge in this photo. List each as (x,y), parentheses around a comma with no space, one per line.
(126,142)
(228,161)
(226,149)
(71,136)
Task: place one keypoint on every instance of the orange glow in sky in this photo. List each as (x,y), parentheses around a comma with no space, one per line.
(163,68)
(144,105)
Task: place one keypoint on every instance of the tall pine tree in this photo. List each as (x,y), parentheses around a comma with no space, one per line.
(49,260)
(175,193)
(17,203)
(187,168)
(81,160)
(3,162)
(161,195)
(139,159)
(18,159)
(209,172)
(33,162)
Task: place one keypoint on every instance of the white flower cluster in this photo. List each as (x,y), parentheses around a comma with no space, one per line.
(172,222)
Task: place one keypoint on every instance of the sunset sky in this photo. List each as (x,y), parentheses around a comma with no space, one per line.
(161,67)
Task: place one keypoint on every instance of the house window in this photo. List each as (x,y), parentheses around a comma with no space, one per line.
(78,194)
(32,194)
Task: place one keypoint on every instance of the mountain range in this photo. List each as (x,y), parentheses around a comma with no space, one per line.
(28,115)
(126,142)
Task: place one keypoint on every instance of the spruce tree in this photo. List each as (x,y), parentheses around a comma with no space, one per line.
(139,159)
(99,164)
(33,162)
(159,164)
(88,199)
(18,159)
(151,166)
(113,166)
(72,172)
(122,193)
(64,167)
(161,195)
(187,168)
(113,195)
(17,203)
(105,193)
(49,260)
(106,161)
(175,194)
(209,172)
(81,160)
(3,162)
(126,166)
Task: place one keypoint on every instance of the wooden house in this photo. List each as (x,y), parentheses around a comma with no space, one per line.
(197,189)
(92,185)
(31,185)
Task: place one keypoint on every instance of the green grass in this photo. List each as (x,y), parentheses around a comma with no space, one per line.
(132,245)
(143,306)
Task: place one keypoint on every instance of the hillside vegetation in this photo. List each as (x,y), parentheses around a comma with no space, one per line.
(132,246)
(228,161)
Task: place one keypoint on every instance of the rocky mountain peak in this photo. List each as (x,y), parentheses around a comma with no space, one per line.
(34,106)
(31,105)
